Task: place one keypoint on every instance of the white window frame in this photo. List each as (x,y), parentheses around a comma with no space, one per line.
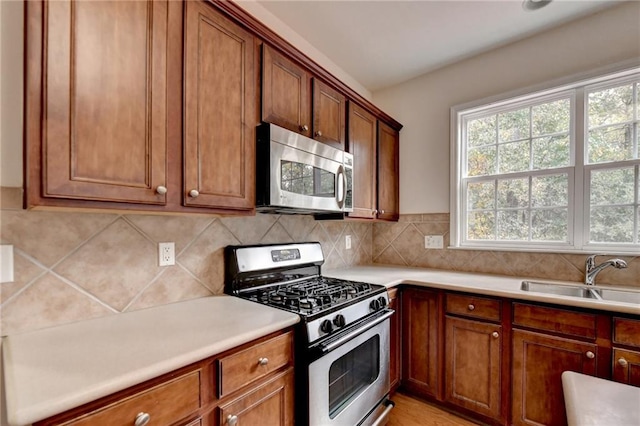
(578,172)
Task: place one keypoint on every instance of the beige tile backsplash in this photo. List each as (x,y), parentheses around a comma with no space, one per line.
(402,243)
(71,266)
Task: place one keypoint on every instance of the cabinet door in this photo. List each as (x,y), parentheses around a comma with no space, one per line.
(388,172)
(395,339)
(105,100)
(538,362)
(286,88)
(473,359)
(421,342)
(329,115)
(362,144)
(270,404)
(626,366)
(220,111)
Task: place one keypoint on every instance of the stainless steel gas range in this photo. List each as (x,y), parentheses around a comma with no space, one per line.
(342,342)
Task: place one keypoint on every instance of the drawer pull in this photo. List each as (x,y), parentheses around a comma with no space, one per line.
(471,307)
(232,420)
(495,334)
(590,355)
(161,190)
(263,361)
(193,193)
(622,362)
(142,419)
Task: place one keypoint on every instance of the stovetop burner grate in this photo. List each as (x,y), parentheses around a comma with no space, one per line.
(309,296)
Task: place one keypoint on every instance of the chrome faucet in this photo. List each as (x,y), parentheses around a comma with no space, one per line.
(592,270)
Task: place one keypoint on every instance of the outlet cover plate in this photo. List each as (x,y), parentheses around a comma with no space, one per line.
(433,242)
(347,242)
(6,263)
(166,254)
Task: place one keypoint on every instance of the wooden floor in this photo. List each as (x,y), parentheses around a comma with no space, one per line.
(412,412)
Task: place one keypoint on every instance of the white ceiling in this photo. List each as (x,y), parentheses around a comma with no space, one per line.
(382,43)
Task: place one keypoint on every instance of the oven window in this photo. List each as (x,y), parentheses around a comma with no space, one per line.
(307,180)
(351,374)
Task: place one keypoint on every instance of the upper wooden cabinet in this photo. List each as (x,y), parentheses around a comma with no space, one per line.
(286,89)
(375,147)
(388,172)
(329,115)
(104,100)
(289,101)
(219,110)
(363,146)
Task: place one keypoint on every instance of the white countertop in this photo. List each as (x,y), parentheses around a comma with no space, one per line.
(493,285)
(590,401)
(52,370)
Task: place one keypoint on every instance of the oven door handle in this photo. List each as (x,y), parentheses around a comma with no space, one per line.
(369,325)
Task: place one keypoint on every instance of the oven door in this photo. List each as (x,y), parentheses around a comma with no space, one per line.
(350,382)
(303,180)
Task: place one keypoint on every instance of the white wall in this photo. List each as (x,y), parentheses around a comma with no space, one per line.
(11,54)
(423,104)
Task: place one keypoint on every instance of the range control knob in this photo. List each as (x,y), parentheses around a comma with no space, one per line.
(383,301)
(326,326)
(375,304)
(339,321)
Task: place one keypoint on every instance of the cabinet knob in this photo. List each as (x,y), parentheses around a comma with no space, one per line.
(471,307)
(304,128)
(622,362)
(193,193)
(495,334)
(263,361)
(381,211)
(374,212)
(161,190)
(232,420)
(318,133)
(590,355)
(142,419)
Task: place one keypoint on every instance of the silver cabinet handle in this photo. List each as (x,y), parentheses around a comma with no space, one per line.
(304,128)
(590,355)
(263,361)
(318,133)
(193,193)
(161,190)
(622,362)
(142,419)
(471,307)
(232,420)
(495,334)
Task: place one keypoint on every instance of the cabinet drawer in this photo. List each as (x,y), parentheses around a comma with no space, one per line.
(473,306)
(626,331)
(166,404)
(244,367)
(555,320)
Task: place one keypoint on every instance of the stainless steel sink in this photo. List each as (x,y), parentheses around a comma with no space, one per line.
(583,291)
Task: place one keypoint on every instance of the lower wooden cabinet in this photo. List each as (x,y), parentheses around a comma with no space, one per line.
(473,363)
(625,362)
(538,363)
(421,313)
(260,392)
(395,345)
(269,404)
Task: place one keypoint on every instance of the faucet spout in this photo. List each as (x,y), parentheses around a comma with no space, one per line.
(592,270)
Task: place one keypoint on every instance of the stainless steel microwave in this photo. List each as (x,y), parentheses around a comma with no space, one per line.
(296,174)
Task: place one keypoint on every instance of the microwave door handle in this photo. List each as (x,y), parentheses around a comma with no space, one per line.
(341,183)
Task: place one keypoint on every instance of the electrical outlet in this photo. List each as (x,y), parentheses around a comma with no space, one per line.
(166,254)
(347,242)
(6,264)
(433,241)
